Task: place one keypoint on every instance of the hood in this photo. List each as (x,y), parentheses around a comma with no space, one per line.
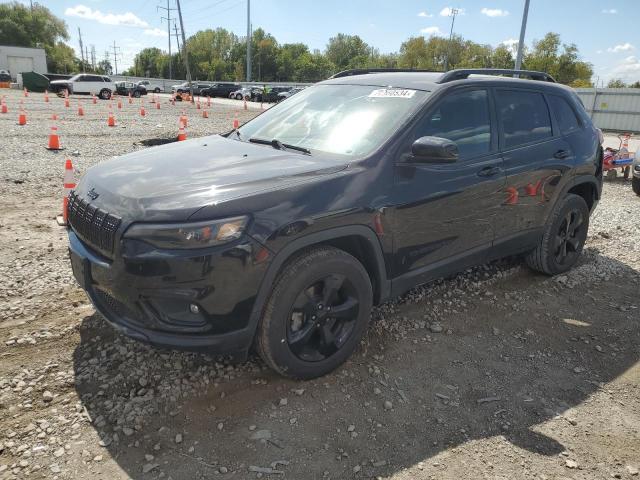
(173,181)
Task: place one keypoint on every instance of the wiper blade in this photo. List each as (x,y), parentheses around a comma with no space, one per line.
(278,145)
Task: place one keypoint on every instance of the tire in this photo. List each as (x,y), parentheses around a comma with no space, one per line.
(295,302)
(136,93)
(105,94)
(564,233)
(239,96)
(635,185)
(156,90)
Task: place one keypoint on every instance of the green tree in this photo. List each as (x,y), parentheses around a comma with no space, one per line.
(347,51)
(561,61)
(616,83)
(635,85)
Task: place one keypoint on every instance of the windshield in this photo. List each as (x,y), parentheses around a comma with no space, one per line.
(349,120)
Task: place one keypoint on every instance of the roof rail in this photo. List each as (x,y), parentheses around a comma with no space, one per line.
(452,75)
(364,71)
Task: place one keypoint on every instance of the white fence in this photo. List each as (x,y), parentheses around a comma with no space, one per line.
(615,109)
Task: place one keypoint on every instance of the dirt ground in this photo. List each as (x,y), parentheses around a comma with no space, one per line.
(497,373)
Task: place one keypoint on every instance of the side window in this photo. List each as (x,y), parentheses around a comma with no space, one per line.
(524,117)
(565,115)
(81,78)
(462,117)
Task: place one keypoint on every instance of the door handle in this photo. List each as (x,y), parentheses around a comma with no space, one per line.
(490,171)
(561,154)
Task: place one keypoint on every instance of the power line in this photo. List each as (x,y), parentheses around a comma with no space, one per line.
(168,19)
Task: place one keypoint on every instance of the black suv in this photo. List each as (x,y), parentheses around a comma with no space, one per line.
(220,90)
(284,233)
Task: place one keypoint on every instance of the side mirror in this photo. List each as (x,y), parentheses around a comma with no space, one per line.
(434,150)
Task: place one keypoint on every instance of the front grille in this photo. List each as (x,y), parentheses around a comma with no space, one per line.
(94,226)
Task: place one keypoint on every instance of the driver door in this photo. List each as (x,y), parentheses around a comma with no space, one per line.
(445,212)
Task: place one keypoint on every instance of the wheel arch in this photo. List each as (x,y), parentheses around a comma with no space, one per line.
(357,240)
(586,187)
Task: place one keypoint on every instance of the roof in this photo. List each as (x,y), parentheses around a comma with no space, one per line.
(431,81)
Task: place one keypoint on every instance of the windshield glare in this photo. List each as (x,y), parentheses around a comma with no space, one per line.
(349,120)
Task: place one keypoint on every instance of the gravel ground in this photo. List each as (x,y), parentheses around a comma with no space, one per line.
(496,373)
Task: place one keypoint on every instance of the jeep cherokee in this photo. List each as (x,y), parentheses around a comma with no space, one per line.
(283,233)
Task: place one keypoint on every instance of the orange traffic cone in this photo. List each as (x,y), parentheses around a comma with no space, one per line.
(158,105)
(198,104)
(183,119)
(153,98)
(208,101)
(119,104)
(142,112)
(182,135)
(205,113)
(26,92)
(130,99)
(94,99)
(80,110)
(68,183)
(54,140)
(245,103)
(54,116)
(66,102)
(3,107)
(46,96)
(22,118)
(236,123)
(111,121)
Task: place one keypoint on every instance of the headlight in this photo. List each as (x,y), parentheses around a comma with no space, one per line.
(189,235)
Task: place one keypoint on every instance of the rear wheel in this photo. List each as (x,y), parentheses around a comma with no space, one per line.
(105,94)
(316,314)
(563,238)
(635,184)
(136,93)
(239,96)
(156,90)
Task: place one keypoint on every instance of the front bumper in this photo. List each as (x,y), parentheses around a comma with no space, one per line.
(148,294)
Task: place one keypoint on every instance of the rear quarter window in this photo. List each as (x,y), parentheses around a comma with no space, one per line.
(565,114)
(524,117)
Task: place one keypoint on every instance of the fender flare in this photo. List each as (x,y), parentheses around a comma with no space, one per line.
(384,284)
(579,180)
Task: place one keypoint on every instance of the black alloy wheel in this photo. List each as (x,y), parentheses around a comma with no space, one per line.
(568,241)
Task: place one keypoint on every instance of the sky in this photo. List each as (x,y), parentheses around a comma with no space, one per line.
(607,32)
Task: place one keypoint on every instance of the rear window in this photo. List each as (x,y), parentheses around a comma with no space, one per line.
(524,117)
(565,114)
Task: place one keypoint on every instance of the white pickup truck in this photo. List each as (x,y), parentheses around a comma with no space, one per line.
(151,86)
(84,83)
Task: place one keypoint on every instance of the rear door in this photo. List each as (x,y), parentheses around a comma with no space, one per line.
(81,84)
(535,157)
(445,212)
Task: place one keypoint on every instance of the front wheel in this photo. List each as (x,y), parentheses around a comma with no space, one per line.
(316,314)
(105,94)
(238,96)
(635,184)
(156,90)
(136,94)
(563,238)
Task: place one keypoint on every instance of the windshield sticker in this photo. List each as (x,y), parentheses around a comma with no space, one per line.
(392,93)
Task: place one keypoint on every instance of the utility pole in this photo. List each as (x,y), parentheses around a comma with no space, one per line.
(249,40)
(81,48)
(93,57)
(115,57)
(523,28)
(184,51)
(175,29)
(168,19)
(452,13)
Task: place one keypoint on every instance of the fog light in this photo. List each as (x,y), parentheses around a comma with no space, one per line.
(193,308)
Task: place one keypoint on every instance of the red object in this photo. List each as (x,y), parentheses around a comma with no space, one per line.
(69,184)
(205,114)
(236,123)
(157,105)
(4,108)
(182,135)
(111,121)
(512,198)
(46,97)
(119,104)
(142,112)
(94,99)
(26,92)
(80,110)
(54,140)
(22,118)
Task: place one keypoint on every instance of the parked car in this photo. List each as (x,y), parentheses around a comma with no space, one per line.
(5,76)
(184,88)
(271,94)
(151,86)
(283,233)
(85,84)
(288,93)
(219,90)
(242,93)
(126,88)
(635,172)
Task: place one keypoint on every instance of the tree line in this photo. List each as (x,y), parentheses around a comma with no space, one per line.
(218,54)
